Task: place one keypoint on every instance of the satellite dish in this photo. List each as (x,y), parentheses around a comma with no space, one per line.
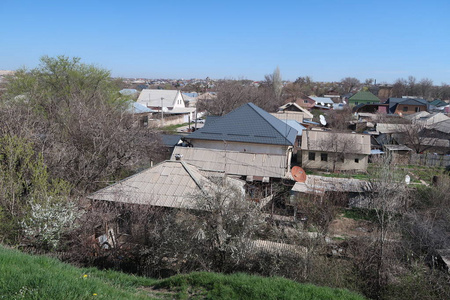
(407,179)
(343,101)
(165,109)
(298,174)
(321,103)
(322,120)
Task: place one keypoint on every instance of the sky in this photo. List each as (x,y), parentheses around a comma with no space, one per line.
(326,40)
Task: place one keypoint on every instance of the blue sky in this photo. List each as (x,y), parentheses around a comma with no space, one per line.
(327,40)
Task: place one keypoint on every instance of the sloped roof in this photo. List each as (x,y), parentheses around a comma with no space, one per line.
(320,184)
(321,99)
(364,96)
(168,184)
(443,126)
(409,101)
(296,125)
(152,97)
(298,107)
(233,162)
(249,124)
(137,108)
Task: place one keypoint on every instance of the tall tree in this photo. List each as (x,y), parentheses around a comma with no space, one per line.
(77,120)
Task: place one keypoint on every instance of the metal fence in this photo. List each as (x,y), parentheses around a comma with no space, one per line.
(431,160)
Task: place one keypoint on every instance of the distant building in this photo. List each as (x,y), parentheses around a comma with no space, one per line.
(363,97)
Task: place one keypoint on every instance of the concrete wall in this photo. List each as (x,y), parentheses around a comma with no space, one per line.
(348,164)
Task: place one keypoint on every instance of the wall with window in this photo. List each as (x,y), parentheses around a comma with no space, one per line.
(327,161)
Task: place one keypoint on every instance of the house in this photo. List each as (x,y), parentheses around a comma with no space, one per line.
(141,114)
(405,106)
(426,118)
(246,129)
(322,101)
(292,111)
(170,184)
(251,166)
(363,97)
(304,102)
(399,154)
(332,151)
(170,104)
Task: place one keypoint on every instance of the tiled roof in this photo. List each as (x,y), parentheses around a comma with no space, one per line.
(249,124)
(364,96)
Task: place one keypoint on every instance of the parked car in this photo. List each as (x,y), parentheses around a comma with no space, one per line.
(201,121)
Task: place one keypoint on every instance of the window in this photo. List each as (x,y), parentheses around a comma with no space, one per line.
(340,157)
(417,109)
(405,108)
(357,160)
(305,101)
(356,103)
(324,157)
(312,156)
(299,142)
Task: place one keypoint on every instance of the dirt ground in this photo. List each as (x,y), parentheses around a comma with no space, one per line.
(345,227)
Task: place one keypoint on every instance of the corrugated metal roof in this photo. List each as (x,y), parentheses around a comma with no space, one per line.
(296,125)
(321,184)
(168,184)
(364,96)
(323,100)
(152,97)
(234,163)
(249,124)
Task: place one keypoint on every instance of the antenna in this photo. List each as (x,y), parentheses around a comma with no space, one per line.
(323,121)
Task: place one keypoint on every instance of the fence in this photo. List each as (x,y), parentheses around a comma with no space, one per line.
(431,160)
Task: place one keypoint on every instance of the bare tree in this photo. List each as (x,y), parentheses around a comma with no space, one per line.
(77,120)
(350,83)
(337,148)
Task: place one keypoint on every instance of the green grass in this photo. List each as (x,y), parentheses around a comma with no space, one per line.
(204,285)
(24,276)
(173,128)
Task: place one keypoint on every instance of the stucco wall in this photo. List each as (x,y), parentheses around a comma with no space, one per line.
(348,164)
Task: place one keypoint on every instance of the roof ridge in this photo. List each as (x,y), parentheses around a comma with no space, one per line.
(275,118)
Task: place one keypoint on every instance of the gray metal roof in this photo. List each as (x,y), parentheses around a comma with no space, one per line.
(408,101)
(249,124)
(168,184)
(443,126)
(233,162)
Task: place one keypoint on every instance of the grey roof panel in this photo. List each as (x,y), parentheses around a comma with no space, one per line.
(249,124)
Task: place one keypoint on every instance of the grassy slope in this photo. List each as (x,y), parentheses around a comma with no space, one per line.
(35,277)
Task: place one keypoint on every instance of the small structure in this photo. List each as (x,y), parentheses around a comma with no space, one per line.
(405,106)
(399,154)
(332,151)
(169,103)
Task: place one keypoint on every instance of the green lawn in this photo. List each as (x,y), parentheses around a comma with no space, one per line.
(25,276)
